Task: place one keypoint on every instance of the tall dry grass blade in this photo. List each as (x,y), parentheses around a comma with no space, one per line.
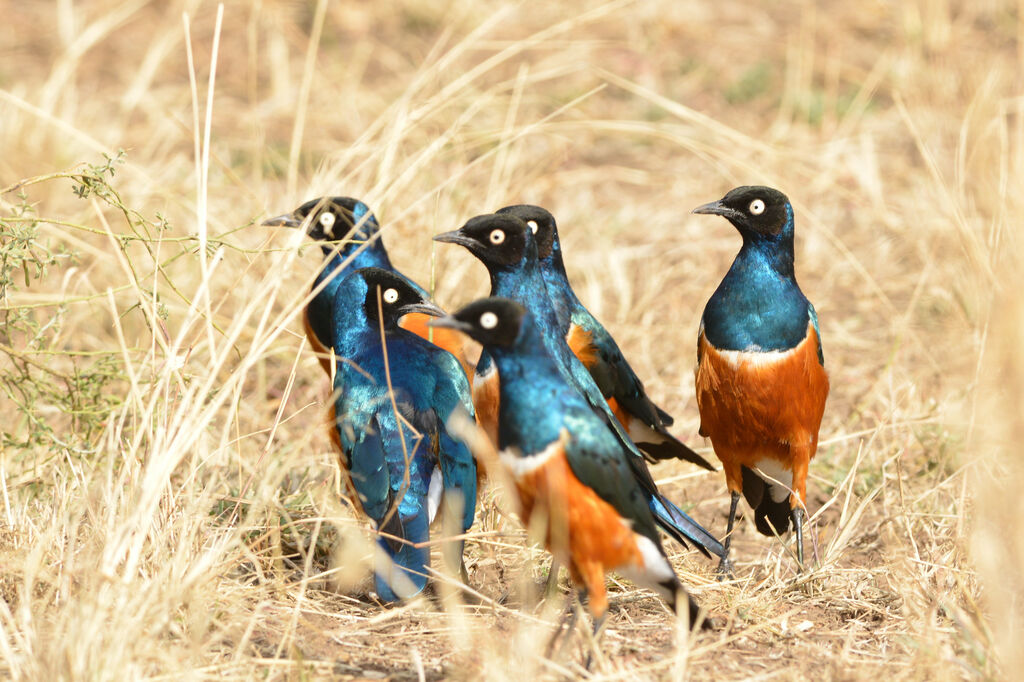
(308,76)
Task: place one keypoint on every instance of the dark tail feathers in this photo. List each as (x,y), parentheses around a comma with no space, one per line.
(681,527)
(767,512)
(664,416)
(672,448)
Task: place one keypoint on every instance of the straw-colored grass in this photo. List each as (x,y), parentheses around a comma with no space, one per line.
(170,500)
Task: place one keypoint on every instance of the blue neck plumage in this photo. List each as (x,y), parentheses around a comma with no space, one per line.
(352,328)
(776,251)
(563,298)
(530,387)
(759,306)
(374,255)
(320,310)
(362,245)
(524,282)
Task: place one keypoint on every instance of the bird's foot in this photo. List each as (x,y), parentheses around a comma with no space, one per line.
(593,641)
(566,624)
(725,570)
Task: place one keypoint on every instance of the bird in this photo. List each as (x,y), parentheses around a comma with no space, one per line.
(505,244)
(393,399)
(646,423)
(330,220)
(760,381)
(567,465)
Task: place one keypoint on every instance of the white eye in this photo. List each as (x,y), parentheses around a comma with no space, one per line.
(390,295)
(327,222)
(533,225)
(497,236)
(756,207)
(488,320)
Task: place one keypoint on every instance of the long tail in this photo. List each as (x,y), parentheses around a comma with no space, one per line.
(664,416)
(668,447)
(680,526)
(653,439)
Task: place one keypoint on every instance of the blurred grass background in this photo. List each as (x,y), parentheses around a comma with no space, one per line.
(169,494)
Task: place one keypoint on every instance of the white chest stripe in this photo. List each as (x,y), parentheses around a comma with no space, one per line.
(478,382)
(753,356)
(520,465)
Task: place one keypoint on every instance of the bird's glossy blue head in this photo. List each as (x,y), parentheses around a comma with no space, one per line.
(378,295)
(500,241)
(542,224)
(549,252)
(493,322)
(340,219)
(759,213)
(330,219)
(529,374)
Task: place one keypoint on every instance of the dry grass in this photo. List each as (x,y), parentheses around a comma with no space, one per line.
(169,495)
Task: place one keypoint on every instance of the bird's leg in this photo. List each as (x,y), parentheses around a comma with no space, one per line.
(453,561)
(551,587)
(725,567)
(801,456)
(798,525)
(598,624)
(565,624)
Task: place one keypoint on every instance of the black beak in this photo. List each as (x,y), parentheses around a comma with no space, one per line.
(285,220)
(718,208)
(425,307)
(455,237)
(451,322)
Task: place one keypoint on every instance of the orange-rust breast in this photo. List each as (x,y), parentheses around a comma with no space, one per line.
(761,404)
(453,341)
(487,402)
(579,525)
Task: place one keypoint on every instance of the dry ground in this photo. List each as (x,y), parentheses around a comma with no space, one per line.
(169,498)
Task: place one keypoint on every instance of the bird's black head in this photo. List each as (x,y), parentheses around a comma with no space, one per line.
(491,321)
(541,223)
(754,210)
(499,240)
(330,219)
(397,297)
